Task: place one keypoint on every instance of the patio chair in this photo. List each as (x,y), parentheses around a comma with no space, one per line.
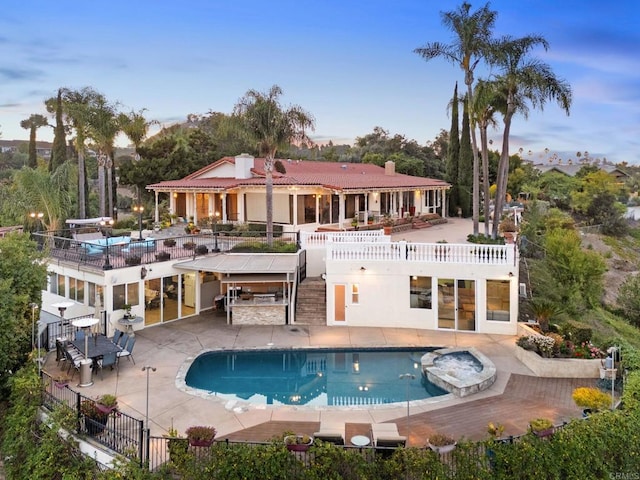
(116,336)
(387,435)
(107,360)
(332,432)
(74,358)
(124,338)
(128,349)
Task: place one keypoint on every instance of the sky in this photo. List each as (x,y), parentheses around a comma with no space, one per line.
(350,63)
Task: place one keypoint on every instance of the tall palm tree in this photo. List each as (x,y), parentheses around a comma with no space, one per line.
(33,123)
(522,80)
(59,150)
(486,100)
(271,126)
(473,30)
(103,128)
(76,109)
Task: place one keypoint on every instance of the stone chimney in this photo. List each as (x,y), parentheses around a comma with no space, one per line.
(389,168)
(244,164)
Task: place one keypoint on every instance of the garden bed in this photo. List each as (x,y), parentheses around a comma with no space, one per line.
(556,367)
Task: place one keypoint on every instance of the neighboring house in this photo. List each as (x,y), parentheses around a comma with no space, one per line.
(370,281)
(43,149)
(310,194)
(571,169)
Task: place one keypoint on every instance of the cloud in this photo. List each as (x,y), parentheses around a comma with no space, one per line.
(9,73)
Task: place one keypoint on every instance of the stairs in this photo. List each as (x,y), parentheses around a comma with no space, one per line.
(311,308)
(419,223)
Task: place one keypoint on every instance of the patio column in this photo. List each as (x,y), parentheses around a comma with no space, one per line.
(340,210)
(157,214)
(443,209)
(317,207)
(401,205)
(224,207)
(194,208)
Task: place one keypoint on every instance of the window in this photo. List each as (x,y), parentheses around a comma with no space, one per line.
(125,293)
(355,293)
(498,296)
(76,289)
(96,297)
(420,292)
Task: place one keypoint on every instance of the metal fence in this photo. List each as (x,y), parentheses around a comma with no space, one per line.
(116,431)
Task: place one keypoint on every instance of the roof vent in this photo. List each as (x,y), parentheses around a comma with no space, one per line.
(344,167)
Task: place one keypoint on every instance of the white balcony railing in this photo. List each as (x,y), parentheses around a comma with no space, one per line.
(319,239)
(422,252)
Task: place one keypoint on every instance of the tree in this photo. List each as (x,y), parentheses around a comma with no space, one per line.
(453,155)
(59,150)
(522,80)
(271,126)
(103,127)
(33,123)
(23,276)
(76,105)
(465,164)
(485,99)
(629,299)
(473,32)
(136,128)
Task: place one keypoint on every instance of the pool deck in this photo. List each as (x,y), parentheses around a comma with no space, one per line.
(516,396)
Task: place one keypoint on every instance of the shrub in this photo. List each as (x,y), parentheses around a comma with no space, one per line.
(133,260)
(189,245)
(590,397)
(202,250)
(163,256)
(440,440)
(577,332)
(540,424)
(201,433)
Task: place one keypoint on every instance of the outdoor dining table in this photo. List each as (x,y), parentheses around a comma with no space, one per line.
(97,346)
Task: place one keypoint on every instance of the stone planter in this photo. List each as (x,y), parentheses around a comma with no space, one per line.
(294,443)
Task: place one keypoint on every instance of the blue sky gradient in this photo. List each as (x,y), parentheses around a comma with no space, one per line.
(349,63)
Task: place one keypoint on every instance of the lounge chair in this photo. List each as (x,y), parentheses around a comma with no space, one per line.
(387,435)
(332,432)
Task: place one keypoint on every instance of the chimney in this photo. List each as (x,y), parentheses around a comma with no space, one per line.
(389,168)
(244,164)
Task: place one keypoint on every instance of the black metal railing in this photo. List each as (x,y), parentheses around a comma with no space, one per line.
(116,430)
(121,252)
(64,329)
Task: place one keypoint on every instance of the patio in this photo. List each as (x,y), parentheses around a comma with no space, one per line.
(514,399)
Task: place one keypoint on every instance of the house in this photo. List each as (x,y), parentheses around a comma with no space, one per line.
(309,195)
(370,280)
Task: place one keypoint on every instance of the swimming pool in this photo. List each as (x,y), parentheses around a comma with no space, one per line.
(336,377)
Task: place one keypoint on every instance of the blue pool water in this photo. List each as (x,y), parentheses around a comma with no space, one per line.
(313,377)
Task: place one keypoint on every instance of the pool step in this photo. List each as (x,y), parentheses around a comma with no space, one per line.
(311,308)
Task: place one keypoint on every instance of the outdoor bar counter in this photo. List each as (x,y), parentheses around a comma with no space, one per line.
(259,309)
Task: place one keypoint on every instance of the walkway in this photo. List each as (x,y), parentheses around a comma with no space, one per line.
(514,399)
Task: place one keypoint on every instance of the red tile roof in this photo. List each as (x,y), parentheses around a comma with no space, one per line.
(332,175)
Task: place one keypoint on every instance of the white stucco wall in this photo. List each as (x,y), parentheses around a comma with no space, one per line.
(384,293)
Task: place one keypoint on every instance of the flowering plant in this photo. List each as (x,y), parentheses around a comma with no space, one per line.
(587,350)
(590,397)
(495,429)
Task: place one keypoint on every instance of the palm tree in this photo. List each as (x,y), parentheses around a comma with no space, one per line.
(272,126)
(33,123)
(103,128)
(76,109)
(473,32)
(522,80)
(136,128)
(486,99)
(59,150)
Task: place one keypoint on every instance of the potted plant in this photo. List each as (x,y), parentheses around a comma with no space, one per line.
(189,245)
(354,223)
(133,260)
(169,242)
(541,427)
(202,250)
(163,256)
(441,443)
(591,399)
(298,443)
(127,310)
(201,436)
(387,224)
(495,430)
(61,380)
(96,413)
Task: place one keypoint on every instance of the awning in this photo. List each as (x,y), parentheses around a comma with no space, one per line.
(265,278)
(239,263)
(88,221)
